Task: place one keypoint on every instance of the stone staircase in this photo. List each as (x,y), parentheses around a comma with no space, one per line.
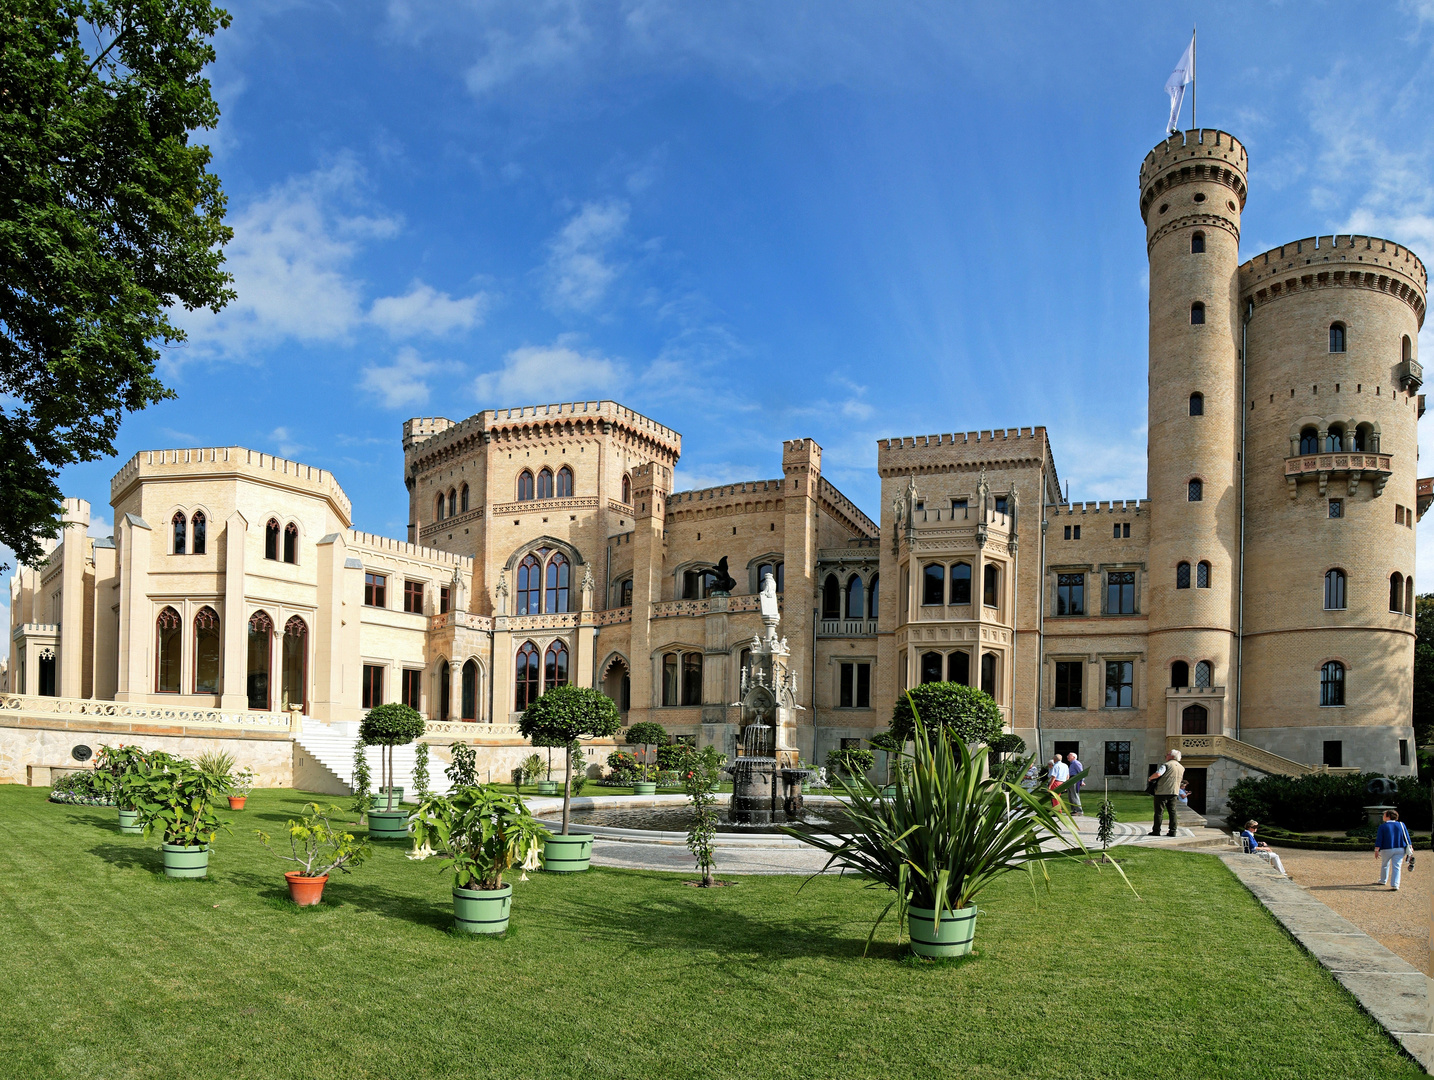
(324,758)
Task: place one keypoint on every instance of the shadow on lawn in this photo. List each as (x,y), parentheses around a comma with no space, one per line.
(131,857)
(356,892)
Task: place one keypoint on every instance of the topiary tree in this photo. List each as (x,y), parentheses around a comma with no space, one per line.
(647,734)
(957,711)
(853,761)
(563,715)
(388,726)
(1008,743)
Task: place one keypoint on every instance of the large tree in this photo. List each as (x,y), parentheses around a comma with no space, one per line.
(1423,669)
(109,218)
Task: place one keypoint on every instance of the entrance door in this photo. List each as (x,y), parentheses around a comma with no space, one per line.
(1196,779)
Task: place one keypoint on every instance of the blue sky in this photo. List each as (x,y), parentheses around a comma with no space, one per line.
(749,221)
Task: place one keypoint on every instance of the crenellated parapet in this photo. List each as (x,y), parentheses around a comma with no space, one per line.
(1110,506)
(1336,262)
(214,462)
(1207,154)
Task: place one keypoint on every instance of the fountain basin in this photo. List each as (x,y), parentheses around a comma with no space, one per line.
(652,820)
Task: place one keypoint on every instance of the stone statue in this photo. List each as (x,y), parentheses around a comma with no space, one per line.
(767,597)
(723,582)
(502,591)
(588,586)
(457,591)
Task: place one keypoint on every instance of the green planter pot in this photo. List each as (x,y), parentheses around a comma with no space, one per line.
(129,822)
(952,938)
(568,854)
(388,824)
(380,797)
(889,791)
(547,787)
(184,861)
(482,911)
(645,787)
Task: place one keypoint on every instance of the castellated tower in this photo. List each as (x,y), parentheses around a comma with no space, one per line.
(1192,190)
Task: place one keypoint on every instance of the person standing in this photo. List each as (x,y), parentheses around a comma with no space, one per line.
(1391,844)
(1060,773)
(1167,782)
(1075,768)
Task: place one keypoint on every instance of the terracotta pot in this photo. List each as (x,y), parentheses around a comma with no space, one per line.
(305,891)
(236,802)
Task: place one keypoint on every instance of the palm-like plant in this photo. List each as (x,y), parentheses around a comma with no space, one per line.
(949,832)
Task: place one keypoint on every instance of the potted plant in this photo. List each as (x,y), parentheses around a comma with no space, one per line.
(240,784)
(361,781)
(218,766)
(175,798)
(645,734)
(480,833)
(949,831)
(113,768)
(851,761)
(388,726)
(560,717)
(530,771)
(890,748)
(318,849)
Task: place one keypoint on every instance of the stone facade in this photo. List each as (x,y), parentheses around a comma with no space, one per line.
(545,544)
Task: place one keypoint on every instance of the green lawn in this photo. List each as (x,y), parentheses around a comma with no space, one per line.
(1135,807)
(116,972)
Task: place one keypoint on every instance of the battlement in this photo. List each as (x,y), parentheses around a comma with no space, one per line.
(423,427)
(725,492)
(364,541)
(219,462)
(969,438)
(1184,147)
(839,506)
(75,511)
(1381,255)
(1112,506)
(797,453)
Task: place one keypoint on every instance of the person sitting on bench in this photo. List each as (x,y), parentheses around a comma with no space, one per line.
(1264,851)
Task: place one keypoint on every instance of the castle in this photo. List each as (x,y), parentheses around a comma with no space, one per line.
(1255,610)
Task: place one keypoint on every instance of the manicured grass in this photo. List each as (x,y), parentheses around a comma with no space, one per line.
(1135,807)
(114,971)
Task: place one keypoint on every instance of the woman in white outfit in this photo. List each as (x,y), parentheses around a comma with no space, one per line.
(1264,851)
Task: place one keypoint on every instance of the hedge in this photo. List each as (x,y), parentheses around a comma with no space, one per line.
(1321,801)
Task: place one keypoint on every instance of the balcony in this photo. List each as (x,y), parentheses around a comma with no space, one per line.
(847,628)
(1353,465)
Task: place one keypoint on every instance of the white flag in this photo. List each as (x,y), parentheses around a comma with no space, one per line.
(1176,84)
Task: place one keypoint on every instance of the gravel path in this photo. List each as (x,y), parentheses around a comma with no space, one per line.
(1345,881)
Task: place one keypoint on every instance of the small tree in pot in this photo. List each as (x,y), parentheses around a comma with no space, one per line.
(176,799)
(318,849)
(388,726)
(560,717)
(114,767)
(644,735)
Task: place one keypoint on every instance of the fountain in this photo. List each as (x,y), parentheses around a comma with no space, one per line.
(766,773)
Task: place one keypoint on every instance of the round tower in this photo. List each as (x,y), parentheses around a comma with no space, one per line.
(1192,191)
(1331,473)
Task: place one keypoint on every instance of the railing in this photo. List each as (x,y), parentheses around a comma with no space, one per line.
(621,507)
(1242,752)
(531,505)
(126,712)
(471,729)
(667,609)
(847,628)
(613,615)
(553,621)
(1352,463)
(465,619)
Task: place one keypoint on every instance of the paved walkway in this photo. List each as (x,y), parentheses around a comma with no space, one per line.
(1345,880)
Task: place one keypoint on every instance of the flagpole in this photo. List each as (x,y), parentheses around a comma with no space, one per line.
(1193,84)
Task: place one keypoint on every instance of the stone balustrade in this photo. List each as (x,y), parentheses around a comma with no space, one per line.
(124,712)
(1354,465)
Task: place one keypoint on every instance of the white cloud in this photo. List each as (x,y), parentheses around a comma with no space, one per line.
(404,383)
(579,272)
(99,527)
(424,310)
(1096,468)
(558,39)
(539,374)
(288,444)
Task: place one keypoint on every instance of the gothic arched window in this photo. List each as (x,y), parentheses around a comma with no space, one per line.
(294,672)
(463,499)
(855,598)
(438,507)
(261,630)
(452,502)
(1334,590)
(197,527)
(525,486)
(291,543)
(180,532)
(1309,440)
(961,583)
(168,649)
(626,488)
(831,598)
(555,665)
(271,540)
(565,483)
(1331,683)
(545,484)
(525,677)
(530,585)
(468,703)
(557,593)
(206,651)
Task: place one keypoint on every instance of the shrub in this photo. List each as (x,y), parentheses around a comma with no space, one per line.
(1007,743)
(81,789)
(962,712)
(533,769)
(624,769)
(218,765)
(1321,801)
(174,798)
(480,833)
(580,767)
(852,761)
(462,770)
(421,778)
(361,780)
(316,847)
(672,756)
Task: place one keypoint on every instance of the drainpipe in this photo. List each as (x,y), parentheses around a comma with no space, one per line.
(1244,417)
(1041,622)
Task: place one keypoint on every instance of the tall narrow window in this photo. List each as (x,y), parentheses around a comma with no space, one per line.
(672,679)
(1331,683)
(1197,314)
(1204,674)
(988,674)
(469,696)
(565,483)
(271,540)
(463,499)
(1069,674)
(452,502)
(1396,592)
(1179,675)
(874,594)
(545,484)
(1197,404)
(1120,592)
(1196,491)
(555,665)
(1336,337)
(626,488)
(1409,595)
(961,583)
(180,532)
(375,590)
(1197,243)
(1070,594)
(1309,440)
(525,486)
(438,507)
(168,650)
(261,632)
(1119,684)
(933,584)
(443,599)
(855,600)
(991,585)
(1334,443)
(530,585)
(291,543)
(1406,351)
(1182,576)
(197,527)
(412,690)
(692,678)
(526,677)
(372,685)
(557,593)
(958,668)
(1202,575)
(831,598)
(296,664)
(1334,590)
(930,667)
(624,593)
(206,651)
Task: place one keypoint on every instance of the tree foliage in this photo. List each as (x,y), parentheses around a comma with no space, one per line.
(562,716)
(1424,669)
(394,724)
(962,712)
(109,220)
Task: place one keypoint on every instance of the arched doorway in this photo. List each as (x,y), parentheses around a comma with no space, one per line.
(617,684)
(296,663)
(470,689)
(1195,720)
(261,630)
